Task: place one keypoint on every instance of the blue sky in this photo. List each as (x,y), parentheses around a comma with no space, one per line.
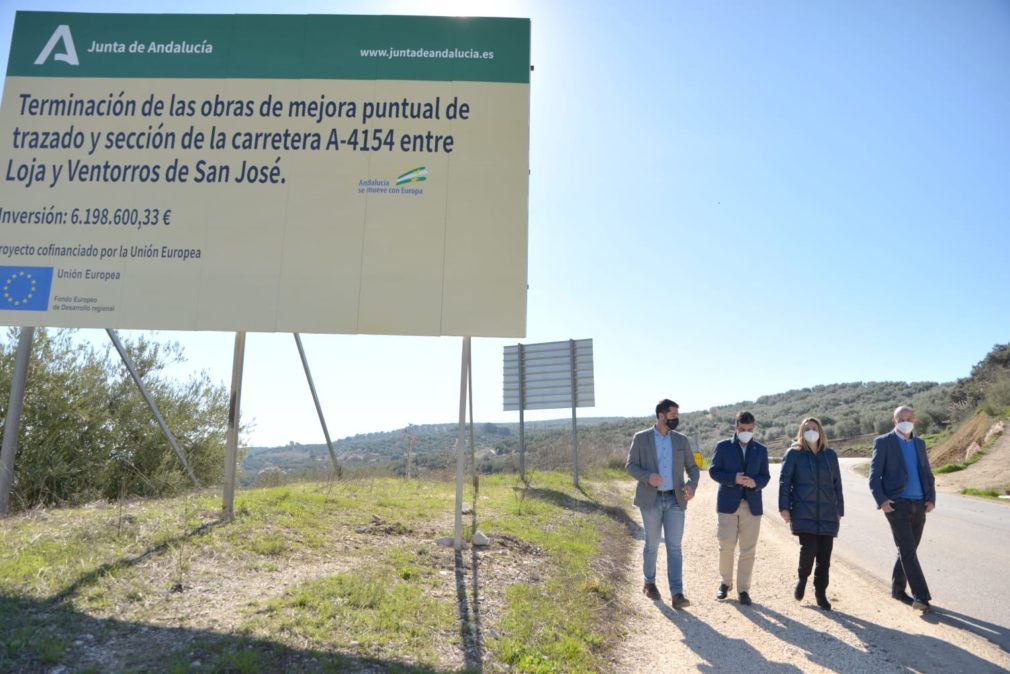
(730,198)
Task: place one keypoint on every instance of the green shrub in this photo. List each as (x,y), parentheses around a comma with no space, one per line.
(991,493)
(86,432)
(997,397)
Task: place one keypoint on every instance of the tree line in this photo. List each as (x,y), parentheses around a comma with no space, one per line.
(86,432)
(849,412)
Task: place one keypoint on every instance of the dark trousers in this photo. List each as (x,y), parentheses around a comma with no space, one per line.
(907,522)
(816,547)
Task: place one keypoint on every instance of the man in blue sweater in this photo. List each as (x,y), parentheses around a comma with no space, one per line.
(903,487)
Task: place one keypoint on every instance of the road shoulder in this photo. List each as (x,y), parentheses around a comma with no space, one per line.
(866,632)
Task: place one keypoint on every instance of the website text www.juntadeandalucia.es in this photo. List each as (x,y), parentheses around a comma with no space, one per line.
(447,53)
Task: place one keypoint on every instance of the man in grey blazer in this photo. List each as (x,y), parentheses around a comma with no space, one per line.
(658,459)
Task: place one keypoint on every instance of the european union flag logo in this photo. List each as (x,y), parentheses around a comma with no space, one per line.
(25,288)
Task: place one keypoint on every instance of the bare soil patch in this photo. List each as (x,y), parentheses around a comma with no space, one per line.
(992,471)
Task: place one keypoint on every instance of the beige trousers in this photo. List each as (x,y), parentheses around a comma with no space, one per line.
(742,526)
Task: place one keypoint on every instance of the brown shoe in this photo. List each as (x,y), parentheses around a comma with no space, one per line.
(651,591)
(679,601)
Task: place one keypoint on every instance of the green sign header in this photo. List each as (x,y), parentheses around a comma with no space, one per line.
(342,47)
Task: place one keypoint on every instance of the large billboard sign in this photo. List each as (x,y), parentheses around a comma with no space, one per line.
(327,174)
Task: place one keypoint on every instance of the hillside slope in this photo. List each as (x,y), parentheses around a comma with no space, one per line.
(952,448)
(992,471)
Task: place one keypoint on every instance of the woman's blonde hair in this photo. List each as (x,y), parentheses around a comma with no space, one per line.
(822,440)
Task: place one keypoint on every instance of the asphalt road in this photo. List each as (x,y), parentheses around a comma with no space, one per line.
(965,552)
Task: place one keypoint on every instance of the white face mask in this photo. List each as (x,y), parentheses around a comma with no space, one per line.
(905,427)
(744,436)
(811,436)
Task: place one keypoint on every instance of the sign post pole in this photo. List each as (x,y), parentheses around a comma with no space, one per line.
(461,443)
(12,422)
(231,447)
(575,428)
(151,405)
(522,425)
(319,408)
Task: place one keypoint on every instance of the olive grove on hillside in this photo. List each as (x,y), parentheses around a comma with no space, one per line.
(86,432)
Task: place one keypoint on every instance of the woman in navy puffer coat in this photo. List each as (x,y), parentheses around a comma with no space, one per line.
(810,500)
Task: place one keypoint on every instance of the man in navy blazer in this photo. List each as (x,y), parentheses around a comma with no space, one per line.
(740,466)
(903,487)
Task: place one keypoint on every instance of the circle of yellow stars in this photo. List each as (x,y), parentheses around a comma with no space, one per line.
(14,277)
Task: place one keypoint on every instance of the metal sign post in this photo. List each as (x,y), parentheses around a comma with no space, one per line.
(522,408)
(231,447)
(474,477)
(575,427)
(151,405)
(461,442)
(319,408)
(410,451)
(12,422)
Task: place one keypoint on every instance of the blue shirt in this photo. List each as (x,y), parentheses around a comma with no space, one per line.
(664,459)
(913,488)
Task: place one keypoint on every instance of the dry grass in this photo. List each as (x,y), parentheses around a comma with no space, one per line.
(317,578)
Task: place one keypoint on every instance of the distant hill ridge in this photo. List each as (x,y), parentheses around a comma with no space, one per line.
(846,410)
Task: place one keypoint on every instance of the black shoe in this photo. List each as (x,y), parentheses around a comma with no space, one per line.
(745,599)
(922,605)
(679,601)
(651,591)
(723,592)
(822,601)
(801,588)
(903,597)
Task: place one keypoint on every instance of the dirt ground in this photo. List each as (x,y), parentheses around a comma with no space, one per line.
(866,631)
(992,471)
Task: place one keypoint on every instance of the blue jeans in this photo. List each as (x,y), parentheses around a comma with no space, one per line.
(666,516)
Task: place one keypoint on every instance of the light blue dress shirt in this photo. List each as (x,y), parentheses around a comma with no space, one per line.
(664,459)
